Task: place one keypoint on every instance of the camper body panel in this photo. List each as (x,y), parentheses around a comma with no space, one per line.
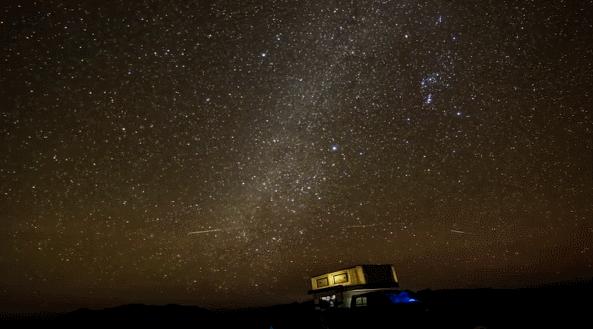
(346,277)
(336,289)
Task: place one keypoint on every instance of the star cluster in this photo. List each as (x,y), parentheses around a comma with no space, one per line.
(219,153)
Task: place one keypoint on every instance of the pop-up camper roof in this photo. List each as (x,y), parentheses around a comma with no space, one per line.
(357,276)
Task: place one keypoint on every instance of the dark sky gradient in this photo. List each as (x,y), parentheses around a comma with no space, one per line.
(219,153)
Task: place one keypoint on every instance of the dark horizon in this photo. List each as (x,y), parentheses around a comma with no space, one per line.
(220,153)
(74,306)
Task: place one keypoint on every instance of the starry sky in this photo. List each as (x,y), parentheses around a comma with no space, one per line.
(219,153)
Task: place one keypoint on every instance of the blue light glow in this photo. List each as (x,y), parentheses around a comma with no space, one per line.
(402,298)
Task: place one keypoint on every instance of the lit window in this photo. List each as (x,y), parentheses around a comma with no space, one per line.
(361,301)
(341,278)
(323,282)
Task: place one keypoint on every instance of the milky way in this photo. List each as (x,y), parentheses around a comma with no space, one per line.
(219,153)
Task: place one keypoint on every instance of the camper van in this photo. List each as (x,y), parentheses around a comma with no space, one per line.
(356,287)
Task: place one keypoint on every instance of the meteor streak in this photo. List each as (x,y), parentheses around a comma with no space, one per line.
(214,230)
(205,231)
(460,232)
(360,226)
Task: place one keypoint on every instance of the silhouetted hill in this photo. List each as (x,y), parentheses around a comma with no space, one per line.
(555,305)
(140,313)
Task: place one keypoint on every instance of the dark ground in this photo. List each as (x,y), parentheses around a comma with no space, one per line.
(566,305)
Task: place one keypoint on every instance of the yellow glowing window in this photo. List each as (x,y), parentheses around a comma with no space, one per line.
(323,282)
(341,278)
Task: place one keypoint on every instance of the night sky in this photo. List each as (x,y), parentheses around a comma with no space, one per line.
(219,153)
